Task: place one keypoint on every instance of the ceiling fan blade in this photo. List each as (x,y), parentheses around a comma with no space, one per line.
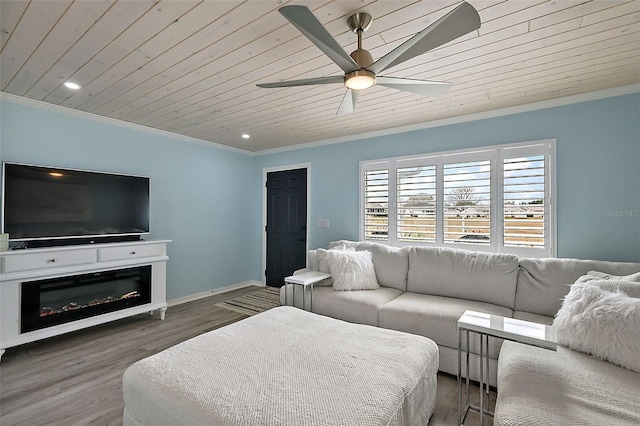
(349,101)
(460,21)
(421,87)
(305,21)
(304,82)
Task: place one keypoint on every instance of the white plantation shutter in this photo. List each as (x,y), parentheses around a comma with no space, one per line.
(376,204)
(416,203)
(524,201)
(467,202)
(498,199)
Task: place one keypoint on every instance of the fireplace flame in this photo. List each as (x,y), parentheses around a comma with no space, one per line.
(72,306)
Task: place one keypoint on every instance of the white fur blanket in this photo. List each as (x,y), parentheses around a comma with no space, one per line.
(286,367)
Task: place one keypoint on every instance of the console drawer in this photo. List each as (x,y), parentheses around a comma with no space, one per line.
(108,254)
(47,260)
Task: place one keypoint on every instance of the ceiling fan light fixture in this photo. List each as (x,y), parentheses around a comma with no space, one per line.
(360,80)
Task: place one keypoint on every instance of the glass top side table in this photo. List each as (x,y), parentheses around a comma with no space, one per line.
(488,325)
(307,279)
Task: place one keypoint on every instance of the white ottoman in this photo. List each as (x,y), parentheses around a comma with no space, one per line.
(286,367)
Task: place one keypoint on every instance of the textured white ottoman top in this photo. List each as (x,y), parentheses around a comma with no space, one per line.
(286,367)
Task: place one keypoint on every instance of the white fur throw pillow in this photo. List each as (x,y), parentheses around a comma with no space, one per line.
(602,323)
(323,263)
(352,270)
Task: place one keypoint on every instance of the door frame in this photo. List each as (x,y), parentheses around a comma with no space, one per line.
(265,171)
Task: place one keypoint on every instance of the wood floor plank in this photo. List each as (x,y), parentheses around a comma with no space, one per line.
(77,378)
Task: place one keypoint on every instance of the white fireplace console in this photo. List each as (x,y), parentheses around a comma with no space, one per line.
(18,266)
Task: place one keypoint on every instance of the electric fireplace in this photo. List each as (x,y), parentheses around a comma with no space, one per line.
(55,301)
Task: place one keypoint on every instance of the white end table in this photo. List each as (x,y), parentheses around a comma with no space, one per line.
(529,333)
(307,279)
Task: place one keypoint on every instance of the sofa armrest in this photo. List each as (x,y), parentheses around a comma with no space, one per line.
(302,271)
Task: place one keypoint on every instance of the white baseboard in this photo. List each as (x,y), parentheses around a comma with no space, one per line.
(192,297)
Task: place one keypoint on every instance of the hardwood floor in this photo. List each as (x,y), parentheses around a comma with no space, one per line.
(76,379)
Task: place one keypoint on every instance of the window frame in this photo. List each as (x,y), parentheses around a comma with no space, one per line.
(496,154)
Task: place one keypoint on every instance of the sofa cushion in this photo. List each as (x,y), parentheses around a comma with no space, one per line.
(436,317)
(543,387)
(359,306)
(390,263)
(484,277)
(542,283)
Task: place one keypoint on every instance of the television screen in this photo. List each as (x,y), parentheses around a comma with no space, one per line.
(52,203)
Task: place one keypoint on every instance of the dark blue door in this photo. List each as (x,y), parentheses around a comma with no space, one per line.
(286,224)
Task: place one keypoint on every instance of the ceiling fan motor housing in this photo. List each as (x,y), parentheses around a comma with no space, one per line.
(362,57)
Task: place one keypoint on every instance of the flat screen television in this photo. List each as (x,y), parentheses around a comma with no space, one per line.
(45,206)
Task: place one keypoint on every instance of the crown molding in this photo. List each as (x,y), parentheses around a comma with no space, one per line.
(114,121)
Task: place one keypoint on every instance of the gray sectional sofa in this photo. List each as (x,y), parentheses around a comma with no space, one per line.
(424,290)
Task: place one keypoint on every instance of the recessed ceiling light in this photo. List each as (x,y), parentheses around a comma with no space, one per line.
(246,136)
(71,85)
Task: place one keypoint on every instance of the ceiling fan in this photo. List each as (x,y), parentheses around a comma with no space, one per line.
(360,71)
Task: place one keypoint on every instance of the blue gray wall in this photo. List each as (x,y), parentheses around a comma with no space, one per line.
(598,173)
(209,200)
(198,193)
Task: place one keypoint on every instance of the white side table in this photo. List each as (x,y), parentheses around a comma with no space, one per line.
(529,333)
(307,279)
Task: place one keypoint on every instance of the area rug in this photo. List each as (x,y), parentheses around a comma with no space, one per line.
(253,303)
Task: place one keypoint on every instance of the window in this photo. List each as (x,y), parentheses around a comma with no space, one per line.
(496,199)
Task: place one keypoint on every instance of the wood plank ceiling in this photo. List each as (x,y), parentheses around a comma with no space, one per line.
(191,67)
